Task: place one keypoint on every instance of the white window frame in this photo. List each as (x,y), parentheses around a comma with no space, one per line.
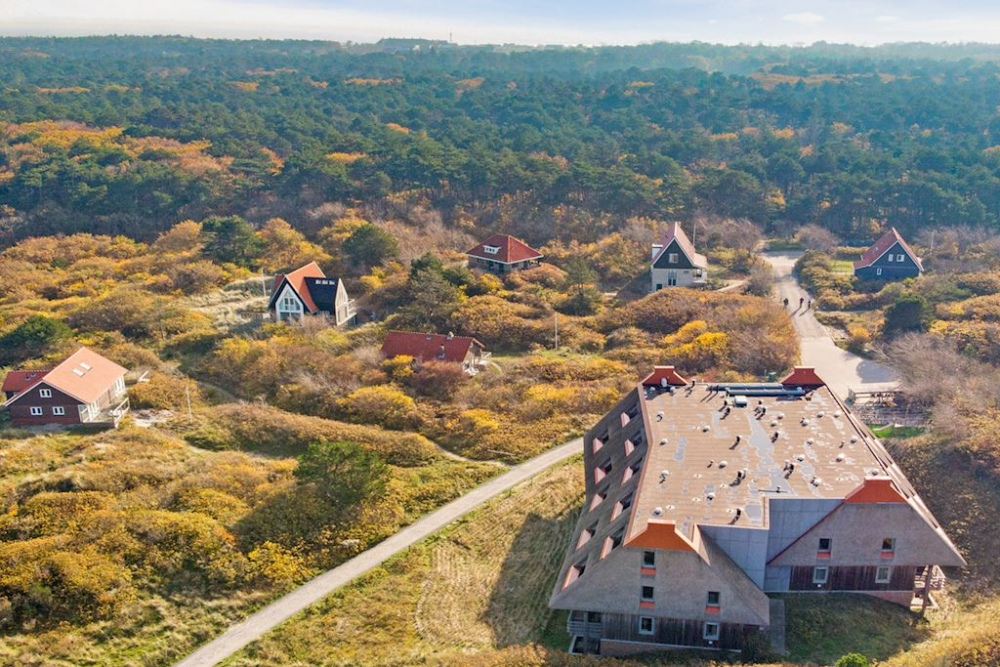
(878,271)
(45,393)
(644,597)
(36,411)
(821,574)
(880,578)
(672,257)
(710,631)
(58,411)
(652,625)
(890,257)
(899,258)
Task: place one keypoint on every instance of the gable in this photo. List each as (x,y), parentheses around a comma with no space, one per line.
(286,290)
(674,247)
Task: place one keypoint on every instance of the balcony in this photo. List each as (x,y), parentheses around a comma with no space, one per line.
(110,416)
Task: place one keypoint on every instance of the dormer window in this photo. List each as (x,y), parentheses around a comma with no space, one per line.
(491,249)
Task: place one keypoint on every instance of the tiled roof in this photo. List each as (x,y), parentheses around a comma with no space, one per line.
(297,279)
(675,232)
(427,346)
(84,375)
(661,373)
(18,381)
(510,250)
(803,376)
(879,248)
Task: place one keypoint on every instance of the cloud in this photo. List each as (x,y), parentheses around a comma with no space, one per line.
(804,18)
(887,19)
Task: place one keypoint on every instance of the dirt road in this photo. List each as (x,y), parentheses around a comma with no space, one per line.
(839,368)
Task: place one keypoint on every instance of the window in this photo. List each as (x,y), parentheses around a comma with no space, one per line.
(714,598)
(632,471)
(646,625)
(45,393)
(36,411)
(820,575)
(598,499)
(586,534)
(711,632)
(888,546)
(621,506)
(647,593)
(58,410)
(491,249)
(878,271)
(672,258)
(612,542)
(883,575)
(899,258)
(649,559)
(593,617)
(824,545)
(890,256)
(601,471)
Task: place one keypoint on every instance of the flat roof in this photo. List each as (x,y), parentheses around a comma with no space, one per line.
(693,466)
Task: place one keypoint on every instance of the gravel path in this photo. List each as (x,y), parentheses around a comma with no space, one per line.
(244,632)
(840,369)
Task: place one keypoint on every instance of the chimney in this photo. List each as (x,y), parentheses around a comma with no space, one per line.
(451,335)
(441,352)
(657,247)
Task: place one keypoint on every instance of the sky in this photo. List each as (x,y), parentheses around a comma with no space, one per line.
(531,22)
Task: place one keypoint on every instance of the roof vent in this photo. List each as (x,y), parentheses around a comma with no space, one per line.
(663,441)
(800,458)
(740,401)
(805,421)
(837,414)
(723,464)
(705,428)
(774,422)
(854,439)
(819,414)
(781,415)
(657,511)
(840,458)
(664,474)
(710,496)
(816,481)
(810,441)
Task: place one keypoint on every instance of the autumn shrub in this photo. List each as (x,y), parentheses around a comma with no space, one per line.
(381,405)
(165,392)
(858,339)
(438,380)
(268,430)
(273,565)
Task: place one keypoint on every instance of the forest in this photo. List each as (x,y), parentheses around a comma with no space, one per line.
(151,187)
(132,135)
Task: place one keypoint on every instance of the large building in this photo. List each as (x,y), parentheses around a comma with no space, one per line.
(703,498)
(84,389)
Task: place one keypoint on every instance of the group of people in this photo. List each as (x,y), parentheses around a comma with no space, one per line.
(801,301)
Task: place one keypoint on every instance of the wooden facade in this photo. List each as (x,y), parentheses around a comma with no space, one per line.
(853,578)
(673,632)
(21,411)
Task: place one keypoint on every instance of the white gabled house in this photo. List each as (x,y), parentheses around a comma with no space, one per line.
(675,263)
(308,291)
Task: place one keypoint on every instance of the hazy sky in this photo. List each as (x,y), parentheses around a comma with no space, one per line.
(519,21)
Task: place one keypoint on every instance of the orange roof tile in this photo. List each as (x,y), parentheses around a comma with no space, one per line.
(803,376)
(667,373)
(427,346)
(660,535)
(18,381)
(875,490)
(510,250)
(84,375)
(297,279)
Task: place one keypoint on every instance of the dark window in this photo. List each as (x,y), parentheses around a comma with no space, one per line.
(711,632)
(649,559)
(889,545)
(824,544)
(646,625)
(647,592)
(883,575)
(593,617)
(714,598)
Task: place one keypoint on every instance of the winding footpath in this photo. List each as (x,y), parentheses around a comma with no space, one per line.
(839,368)
(255,626)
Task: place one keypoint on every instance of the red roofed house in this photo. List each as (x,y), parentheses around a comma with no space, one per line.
(307,291)
(86,388)
(688,523)
(890,258)
(502,253)
(437,347)
(675,263)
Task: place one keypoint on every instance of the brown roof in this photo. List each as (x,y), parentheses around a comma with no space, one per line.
(676,233)
(18,381)
(510,250)
(297,279)
(427,346)
(803,376)
(84,375)
(879,248)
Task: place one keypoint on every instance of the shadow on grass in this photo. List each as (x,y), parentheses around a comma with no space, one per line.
(518,611)
(821,628)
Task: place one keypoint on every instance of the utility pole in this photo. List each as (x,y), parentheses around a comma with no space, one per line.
(187,393)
